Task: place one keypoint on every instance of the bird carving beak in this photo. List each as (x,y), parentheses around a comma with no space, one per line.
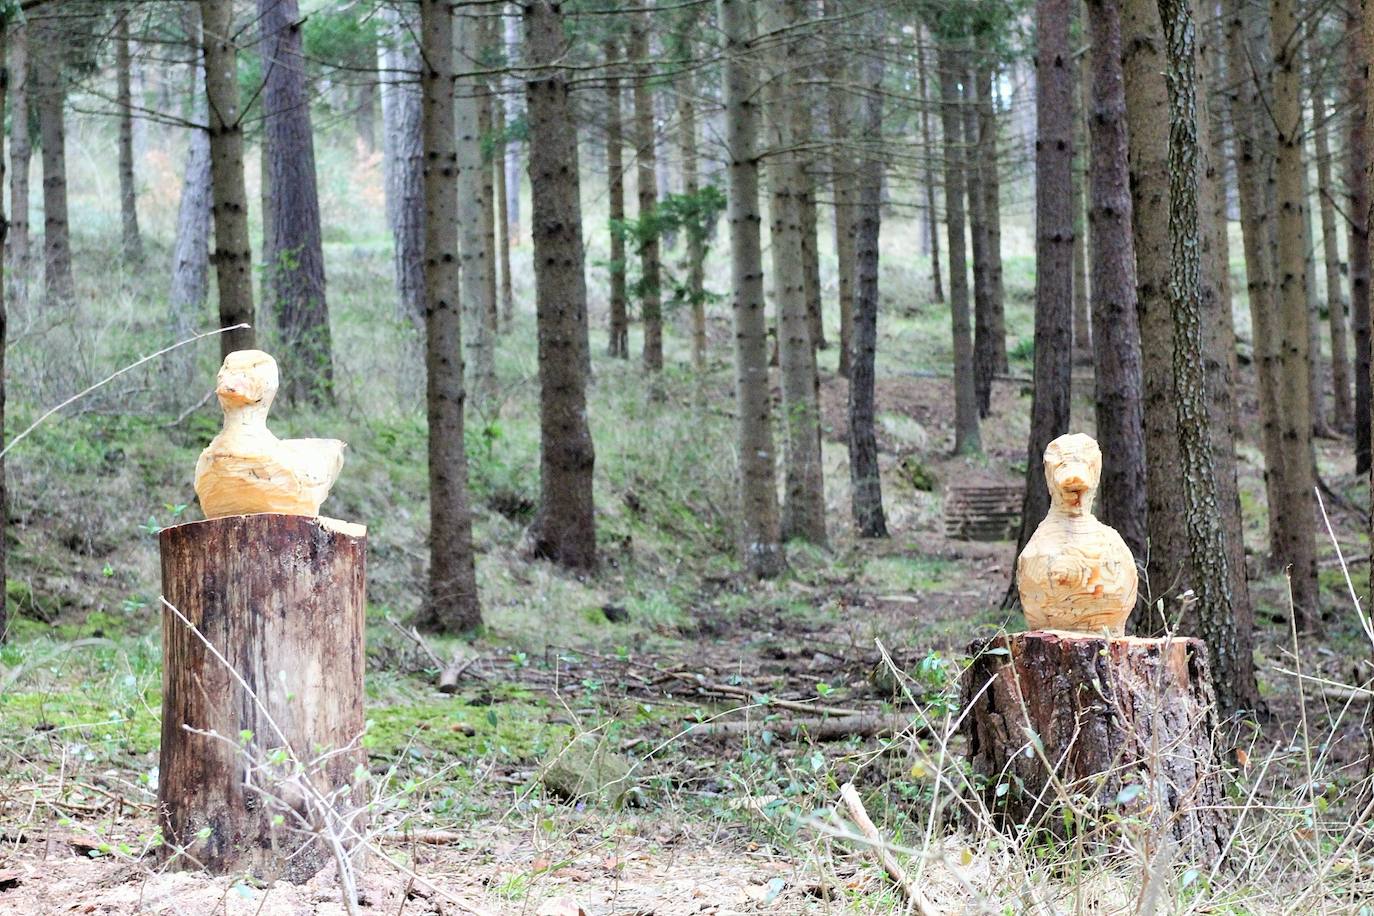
(234,389)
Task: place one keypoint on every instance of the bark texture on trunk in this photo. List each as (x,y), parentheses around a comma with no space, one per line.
(295,254)
(646,162)
(403,163)
(233,256)
(803,508)
(842,187)
(5,39)
(502,216)
(967,436)
(21,153)
(1296,512)
(929,174)
(760,543)
(191,253)
(1056,90)
(990,335)
(864,478)
(50,97)
(282,599)
(978,241)
(619,345)
(696,241)
(128,192)
(1357,146)
(1342,412)
(1116,343)
(1106,714)
(565,530)
(475,262)
(452,605)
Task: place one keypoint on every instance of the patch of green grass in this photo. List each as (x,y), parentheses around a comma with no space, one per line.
(909,574)
(510,727)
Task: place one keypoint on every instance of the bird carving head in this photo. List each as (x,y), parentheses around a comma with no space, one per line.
(1073,466)
(248,378)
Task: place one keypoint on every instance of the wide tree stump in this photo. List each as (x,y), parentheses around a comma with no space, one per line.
(1071,733)
(281,598)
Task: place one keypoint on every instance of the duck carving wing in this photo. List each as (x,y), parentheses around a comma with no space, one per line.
(317,462)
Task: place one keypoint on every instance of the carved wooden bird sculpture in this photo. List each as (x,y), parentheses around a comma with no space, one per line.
(1075,573)
(245,469)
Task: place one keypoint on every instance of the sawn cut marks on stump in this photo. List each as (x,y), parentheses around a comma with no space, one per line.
(282,597)
(1125,727)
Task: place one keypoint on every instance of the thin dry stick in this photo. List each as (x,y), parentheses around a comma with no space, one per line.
(110,378)
(894,870)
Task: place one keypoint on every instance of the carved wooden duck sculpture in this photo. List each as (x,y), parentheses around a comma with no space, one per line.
(245,469)
(1075,573)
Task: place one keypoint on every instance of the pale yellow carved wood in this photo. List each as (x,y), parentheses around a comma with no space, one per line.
(245,469)
(1076,573)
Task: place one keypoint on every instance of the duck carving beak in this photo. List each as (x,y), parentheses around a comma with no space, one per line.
(236,390)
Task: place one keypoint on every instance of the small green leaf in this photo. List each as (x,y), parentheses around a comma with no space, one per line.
(1129,794)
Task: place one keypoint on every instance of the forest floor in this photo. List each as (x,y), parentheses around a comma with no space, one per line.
(667,655)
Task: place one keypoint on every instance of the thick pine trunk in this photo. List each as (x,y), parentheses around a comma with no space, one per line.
(984,361)
(295,252)
(21,153)
(1342,411)
(967,437)
(476,265)
(282,600)
(1056,89)
(760,544)
(565,530)
(803,508)
(932,217)
(50,95)
(1296,512)
(1116,343)
(1357,165)
(128,195)
(990,336)
(646,159)
(864,478)
(1122,726)
(402,159)
(619,345)
(452,605)
(233,256)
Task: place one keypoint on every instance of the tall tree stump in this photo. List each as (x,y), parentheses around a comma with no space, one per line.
(252,758)
(1075,734)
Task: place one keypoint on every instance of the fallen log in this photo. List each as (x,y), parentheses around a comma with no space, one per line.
(820,728)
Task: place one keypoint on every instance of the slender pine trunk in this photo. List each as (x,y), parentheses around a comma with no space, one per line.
(646,162)
(128,195)
(21,153)
(1342,410)
(476,264)
(50,93)
(618,345)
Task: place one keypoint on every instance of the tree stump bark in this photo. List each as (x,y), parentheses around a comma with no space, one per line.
(1080,735)
(257,763)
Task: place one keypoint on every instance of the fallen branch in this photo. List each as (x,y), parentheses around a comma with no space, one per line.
(448,678)
(424,837)
(835,728)
(743,693)
(894,869)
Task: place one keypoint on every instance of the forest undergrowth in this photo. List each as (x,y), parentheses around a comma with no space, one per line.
(713,692)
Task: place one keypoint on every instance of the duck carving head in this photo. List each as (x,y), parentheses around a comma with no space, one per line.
(1073,467)
(247,382)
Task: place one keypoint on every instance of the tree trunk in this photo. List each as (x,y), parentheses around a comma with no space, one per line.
(452,605)
(565,530)
(295,257)
(1146,97)
(619,345)
(1125,724)
(651,294)
(502,216)
(21,152)
(990,337)
(472,204)
(1358,141)
(128,199)
(1342,410)
(1116,345)
(485,120)
(1253,130)
(50,95)
(402,157)
(6,38)
(842,187)
(983,367)
(1082,322)
(803,129)
(1315,373)
(967,437)
(1056,87)
(191,254)
(696,241)
(928,180)
(233,256)
(864,478)
(803,508)
(761,550)
(1219,623)
(514,149)
(1297,510)
(265,694)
